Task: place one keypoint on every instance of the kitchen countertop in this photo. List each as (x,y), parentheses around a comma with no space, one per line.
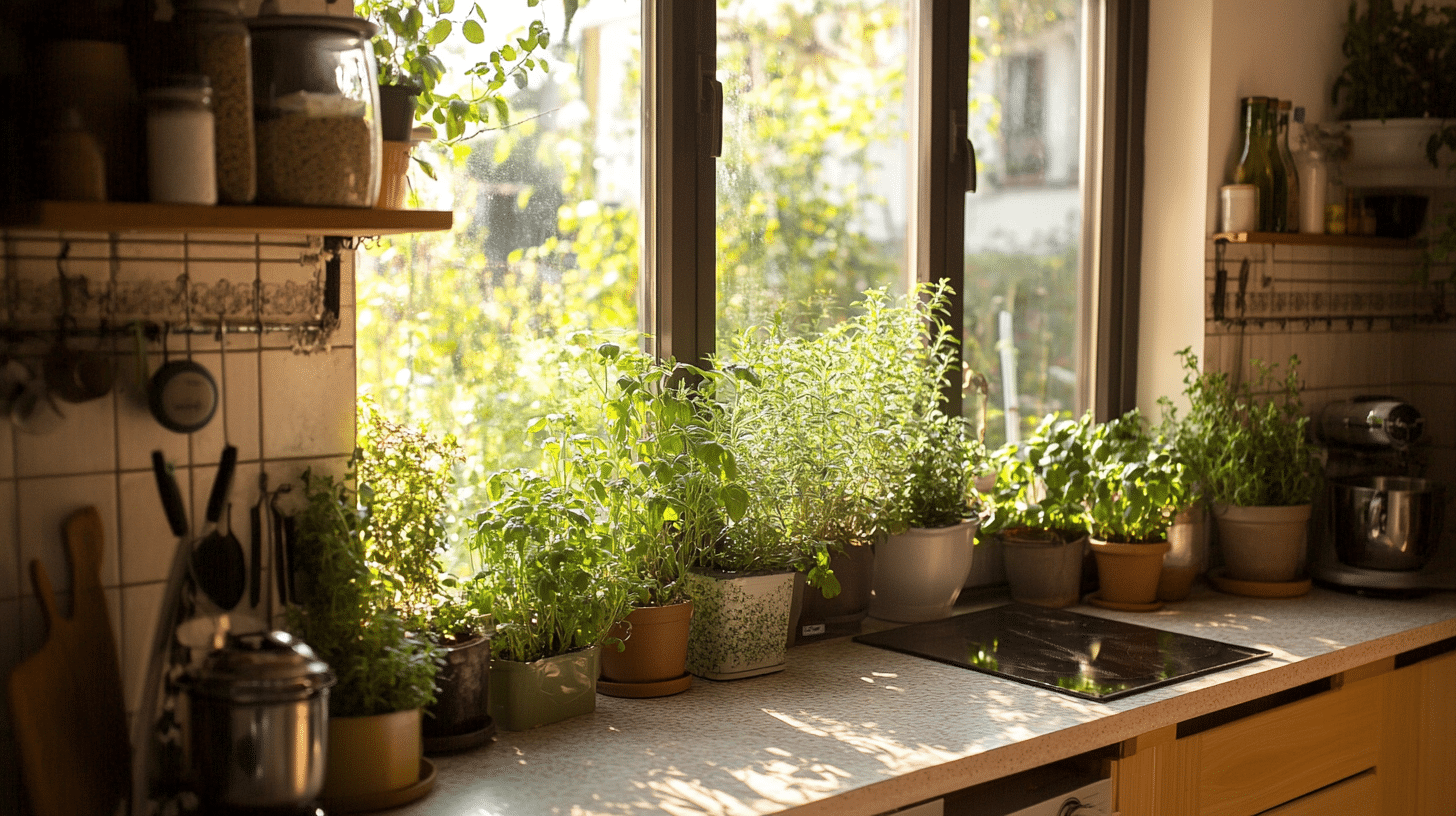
(852,729)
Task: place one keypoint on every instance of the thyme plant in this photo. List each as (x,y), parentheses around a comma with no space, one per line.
(1245,444)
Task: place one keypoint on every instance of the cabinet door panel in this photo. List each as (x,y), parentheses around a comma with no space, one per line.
(1271,758)
(1438,737)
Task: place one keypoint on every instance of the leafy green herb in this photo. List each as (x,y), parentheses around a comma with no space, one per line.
(1399,63)
(1043,482)
(1247,444)
(1138,483)
(347,614)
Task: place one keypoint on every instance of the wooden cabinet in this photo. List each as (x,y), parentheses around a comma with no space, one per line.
(1379,740)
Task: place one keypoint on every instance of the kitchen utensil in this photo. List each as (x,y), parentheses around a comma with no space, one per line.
(66,699)
(172,503)
(217,561)
(280,557)
(259,710)
(75,375)
(255,544)
(34,410)
(1387,522)
(182,395)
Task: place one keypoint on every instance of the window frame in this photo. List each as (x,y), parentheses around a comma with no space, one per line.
(682,125)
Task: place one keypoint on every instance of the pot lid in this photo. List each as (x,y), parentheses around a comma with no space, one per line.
(314,22)
(259,667)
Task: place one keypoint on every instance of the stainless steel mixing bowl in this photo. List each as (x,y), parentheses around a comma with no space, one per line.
(1387,522)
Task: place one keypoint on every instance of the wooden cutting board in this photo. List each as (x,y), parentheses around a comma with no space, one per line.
(66,699)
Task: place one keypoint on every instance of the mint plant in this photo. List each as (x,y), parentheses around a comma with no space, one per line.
(1042,483)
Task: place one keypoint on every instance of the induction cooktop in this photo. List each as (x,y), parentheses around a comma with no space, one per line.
(1081,655)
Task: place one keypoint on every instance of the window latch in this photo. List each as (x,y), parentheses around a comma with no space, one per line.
(713,101)
(970,165)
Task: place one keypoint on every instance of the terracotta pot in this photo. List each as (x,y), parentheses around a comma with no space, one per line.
(529,695)
(1187,555)
(828,617)
(1264,544)
(1042,567)
(740,623)
(372,755)
(654,645)
(919,573)
(462,699)
(1129,573)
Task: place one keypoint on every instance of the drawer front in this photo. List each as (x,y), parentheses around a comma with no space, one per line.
(1265,760)
(1358,795)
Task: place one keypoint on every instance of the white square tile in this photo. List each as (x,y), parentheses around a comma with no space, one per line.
(308,404)
(139,433)
(45,504)
(236,419)
(141,608)
(10,574)
(146,542)
(85,442)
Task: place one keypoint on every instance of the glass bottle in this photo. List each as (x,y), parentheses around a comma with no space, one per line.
(1254,166)
(1278,211)
(215,43)
(1291,172)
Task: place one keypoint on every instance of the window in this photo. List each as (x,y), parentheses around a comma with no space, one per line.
(842,155)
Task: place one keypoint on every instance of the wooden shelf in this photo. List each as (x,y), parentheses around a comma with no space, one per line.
(93,216)
(1310,239)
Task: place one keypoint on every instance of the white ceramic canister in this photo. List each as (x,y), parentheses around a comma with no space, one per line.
(180,148)
(1238,207)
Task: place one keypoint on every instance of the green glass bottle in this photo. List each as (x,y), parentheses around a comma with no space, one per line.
(1291,169)
(1254,165)
(1278,220)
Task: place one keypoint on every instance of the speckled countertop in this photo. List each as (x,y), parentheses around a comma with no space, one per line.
(852,729)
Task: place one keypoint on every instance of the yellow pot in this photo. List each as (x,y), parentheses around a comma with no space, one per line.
(372,755)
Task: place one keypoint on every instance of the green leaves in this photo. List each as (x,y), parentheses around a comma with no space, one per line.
(473,32)
(1246,444)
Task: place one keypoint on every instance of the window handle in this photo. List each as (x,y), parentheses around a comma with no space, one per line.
(714,99)
(970,165)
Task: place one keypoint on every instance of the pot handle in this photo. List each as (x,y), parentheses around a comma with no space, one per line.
(1377,515)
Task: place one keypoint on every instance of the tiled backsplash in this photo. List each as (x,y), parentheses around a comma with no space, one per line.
(284,410)
(1348,313)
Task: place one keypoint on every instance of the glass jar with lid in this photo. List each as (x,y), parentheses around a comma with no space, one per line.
(214,42)
(316,102)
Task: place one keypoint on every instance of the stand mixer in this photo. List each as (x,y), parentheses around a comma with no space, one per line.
(1378,527)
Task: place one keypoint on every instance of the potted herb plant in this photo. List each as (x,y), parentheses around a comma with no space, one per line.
(929,508)
(551,580)
(1037,507)
(1247,446)
(742,583)
(1398,82)
(385,671)
(1138,486)
(670,492)
(405,476)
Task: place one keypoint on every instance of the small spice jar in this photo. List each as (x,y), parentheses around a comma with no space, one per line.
(180,150)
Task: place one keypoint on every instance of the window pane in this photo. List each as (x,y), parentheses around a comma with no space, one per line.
(463,330)
(1024,224)
(812,185)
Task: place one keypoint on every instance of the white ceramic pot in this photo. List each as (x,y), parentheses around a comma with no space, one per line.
(740,625)
(1263,544)
(1393,143)
(919,573)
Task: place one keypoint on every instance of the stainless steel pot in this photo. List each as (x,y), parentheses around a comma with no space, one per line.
(259,719)
(1387,522)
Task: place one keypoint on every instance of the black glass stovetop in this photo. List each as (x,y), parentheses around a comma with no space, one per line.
(1081,655)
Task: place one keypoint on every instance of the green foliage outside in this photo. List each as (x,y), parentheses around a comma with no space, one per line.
(483,329)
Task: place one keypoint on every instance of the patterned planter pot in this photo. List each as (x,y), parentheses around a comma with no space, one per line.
(740,623)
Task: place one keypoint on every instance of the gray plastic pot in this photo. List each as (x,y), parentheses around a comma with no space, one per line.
(1042,568)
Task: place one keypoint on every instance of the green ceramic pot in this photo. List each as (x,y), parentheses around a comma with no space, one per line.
(528,695)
